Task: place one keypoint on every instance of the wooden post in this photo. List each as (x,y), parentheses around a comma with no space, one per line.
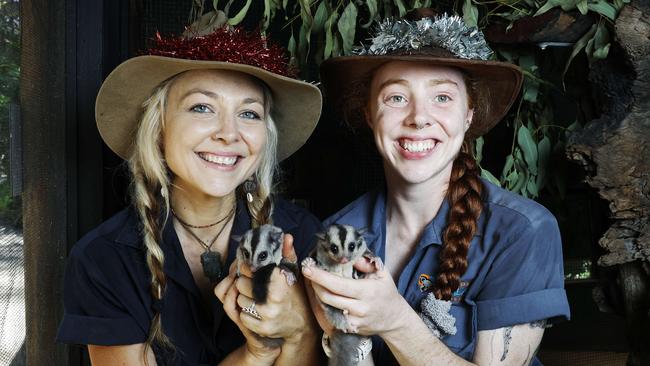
(43,100)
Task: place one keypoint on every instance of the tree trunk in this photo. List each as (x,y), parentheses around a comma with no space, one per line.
(615,151)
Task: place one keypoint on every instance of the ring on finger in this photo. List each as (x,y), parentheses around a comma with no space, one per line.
(250,310)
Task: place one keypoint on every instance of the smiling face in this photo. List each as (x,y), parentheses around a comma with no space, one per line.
(418,114)
(215,131)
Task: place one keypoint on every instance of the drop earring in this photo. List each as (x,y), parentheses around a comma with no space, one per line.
(250,187)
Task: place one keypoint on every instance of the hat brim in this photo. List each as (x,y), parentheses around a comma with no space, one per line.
(296,104)
(501,80)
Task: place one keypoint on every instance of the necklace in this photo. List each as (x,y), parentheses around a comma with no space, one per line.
(185,224)
(210,261)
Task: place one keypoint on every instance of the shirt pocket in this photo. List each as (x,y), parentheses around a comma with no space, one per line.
(462,343)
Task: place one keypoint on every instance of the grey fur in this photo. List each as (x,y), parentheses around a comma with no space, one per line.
(337,249)
(261,249)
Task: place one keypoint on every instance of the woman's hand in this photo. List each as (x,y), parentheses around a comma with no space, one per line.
(255,351)
(373,304)
(286,313)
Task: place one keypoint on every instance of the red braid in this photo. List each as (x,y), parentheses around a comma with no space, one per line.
(464,194)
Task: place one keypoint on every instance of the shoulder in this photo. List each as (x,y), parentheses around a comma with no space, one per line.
(359,212)
(510,208)
(108,241)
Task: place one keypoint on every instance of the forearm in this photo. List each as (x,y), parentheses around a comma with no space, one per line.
(242,356)
(412,343)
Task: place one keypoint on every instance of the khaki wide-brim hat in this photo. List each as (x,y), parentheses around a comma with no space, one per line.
(501,81)
(296,104)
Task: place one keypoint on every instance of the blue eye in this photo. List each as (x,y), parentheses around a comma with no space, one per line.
(442,98)
(249,115)
(396,99)
(200,108)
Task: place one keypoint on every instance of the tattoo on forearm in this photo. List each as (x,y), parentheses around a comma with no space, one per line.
(507,336)
(538,324)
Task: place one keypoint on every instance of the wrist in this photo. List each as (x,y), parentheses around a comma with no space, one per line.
(260,357)
(402,320)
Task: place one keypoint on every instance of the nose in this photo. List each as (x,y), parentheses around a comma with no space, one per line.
(418,117)
(226,129)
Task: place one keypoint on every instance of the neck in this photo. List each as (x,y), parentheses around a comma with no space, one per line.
(413,206)
(200,210)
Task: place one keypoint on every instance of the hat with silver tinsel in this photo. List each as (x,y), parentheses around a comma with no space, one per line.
(439,40)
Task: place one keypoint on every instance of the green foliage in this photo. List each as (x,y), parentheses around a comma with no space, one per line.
(10,208)
(328,28)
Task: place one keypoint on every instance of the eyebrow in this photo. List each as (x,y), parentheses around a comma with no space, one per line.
(213,95)
(207,93)
(433,82)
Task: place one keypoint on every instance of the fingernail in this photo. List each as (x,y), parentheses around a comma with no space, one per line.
(306,271)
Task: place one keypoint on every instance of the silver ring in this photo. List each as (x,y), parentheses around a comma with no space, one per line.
(250,310)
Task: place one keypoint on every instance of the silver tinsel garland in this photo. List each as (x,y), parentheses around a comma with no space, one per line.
(447,32)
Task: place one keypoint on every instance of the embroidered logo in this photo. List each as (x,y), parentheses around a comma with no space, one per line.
(424,282)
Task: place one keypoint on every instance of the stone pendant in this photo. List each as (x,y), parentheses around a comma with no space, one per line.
(211,262)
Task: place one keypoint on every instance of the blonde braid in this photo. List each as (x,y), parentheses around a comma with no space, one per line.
(149,189)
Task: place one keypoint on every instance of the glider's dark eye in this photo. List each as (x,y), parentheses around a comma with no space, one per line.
(334,249)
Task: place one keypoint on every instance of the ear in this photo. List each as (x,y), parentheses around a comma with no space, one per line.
(237,238)
(468,118)
(362,231)
(277,236)
(321,236)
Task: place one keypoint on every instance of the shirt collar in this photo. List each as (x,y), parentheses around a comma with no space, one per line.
(369,212)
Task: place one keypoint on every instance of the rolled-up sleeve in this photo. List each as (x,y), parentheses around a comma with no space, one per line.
(525,282)
(95,310)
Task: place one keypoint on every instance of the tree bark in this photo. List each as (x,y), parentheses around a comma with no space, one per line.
(614,149)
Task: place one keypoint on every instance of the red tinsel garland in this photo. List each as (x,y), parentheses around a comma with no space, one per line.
(228,45)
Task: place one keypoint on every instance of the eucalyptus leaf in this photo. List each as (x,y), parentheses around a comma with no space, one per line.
(215,4)
(491,178)
(240,16)
(511,179)
(510,161)
(582,7)
(603,8)
(373,8)
(577,47)
(303,43)
(267,16)
(531,187)
(329,35)
(347,27)
(478,149)
(470,13)
(320,18)
(601,41)
(400,7)
(528,147)
(291,47)
(520,184)
(544,154)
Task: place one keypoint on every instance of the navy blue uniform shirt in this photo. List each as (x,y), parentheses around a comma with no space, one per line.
(107,289)
(515,273)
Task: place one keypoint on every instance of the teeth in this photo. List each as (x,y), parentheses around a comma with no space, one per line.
(223,160)
(417,146)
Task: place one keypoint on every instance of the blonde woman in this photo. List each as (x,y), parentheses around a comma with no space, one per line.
(202,127)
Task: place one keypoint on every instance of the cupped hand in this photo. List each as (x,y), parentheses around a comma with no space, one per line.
(227,293)
(286,312)
(373,304)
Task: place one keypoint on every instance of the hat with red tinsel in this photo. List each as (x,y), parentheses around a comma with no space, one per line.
(296,104)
